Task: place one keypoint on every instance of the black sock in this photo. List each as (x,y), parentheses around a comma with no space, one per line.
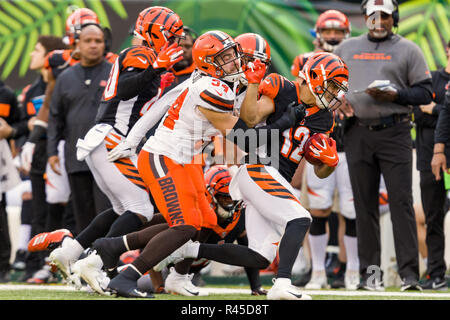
(233,254)
(98,228)
(125,223)
(333,225)
(290,245)
(318,226)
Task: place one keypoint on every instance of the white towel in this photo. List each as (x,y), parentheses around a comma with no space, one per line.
(92,140)
(9,175)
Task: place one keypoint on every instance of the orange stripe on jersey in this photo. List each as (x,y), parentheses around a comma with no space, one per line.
(138,57)
(267,183)
(217,102)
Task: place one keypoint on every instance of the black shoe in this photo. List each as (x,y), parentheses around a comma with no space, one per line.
(303,279)
(109,251)
(371,285)
(259,292)
(126,286)
(4,276)
(338,283)
(19,263)
(332,264)
(410,285)
(436,283)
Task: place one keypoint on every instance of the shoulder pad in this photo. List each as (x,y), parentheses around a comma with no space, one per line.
(215,94)
(271,85)
(138,57)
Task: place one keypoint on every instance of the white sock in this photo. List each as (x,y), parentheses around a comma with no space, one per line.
(351,248)
(192,249)
(318,246)
(24,236)
(74,248)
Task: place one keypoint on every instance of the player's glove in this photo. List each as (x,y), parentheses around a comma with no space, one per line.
(26,156)
(298,112)
(168,56)
(166,80)
(123,150)
(325,150)
(255,71)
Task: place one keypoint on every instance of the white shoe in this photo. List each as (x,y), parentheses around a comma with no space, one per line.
(90,269)
(180,284)
(351,279)
(283,289)
(178,255)
(60,259)
(318,281)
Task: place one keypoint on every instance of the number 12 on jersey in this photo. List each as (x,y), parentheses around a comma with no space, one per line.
(293,144)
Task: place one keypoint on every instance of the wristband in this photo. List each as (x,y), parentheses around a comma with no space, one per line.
(41,123)
(440,152)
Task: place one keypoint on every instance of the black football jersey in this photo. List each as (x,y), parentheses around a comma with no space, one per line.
(122,111)
(291,141)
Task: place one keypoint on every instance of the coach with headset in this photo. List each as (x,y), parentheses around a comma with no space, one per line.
(388,74)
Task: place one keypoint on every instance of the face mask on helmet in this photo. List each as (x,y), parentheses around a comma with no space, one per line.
(225,206)
(326,85)
(216,54)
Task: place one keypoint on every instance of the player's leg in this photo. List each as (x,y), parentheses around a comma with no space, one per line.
(320,195)
(348,213)
(175,196)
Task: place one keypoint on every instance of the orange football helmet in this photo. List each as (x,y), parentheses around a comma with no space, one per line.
(217,180)
(327,77)
(331,19)
(209,58)
(253,47)
(76,20)
(158,25)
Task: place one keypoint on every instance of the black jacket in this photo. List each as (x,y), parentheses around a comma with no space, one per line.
(9,108)
(73,108)
(426,123)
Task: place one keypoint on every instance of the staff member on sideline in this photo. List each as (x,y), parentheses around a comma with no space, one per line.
(73,108)
(379,142)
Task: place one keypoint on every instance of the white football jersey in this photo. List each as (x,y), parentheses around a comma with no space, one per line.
(184,130)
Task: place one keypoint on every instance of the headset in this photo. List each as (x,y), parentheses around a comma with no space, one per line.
(395,13)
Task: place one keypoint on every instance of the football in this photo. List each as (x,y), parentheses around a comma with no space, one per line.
(307,152)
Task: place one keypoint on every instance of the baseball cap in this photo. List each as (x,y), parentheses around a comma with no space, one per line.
(386,6)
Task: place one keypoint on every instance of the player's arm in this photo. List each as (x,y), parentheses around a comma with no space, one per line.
(254,110)
(322,170)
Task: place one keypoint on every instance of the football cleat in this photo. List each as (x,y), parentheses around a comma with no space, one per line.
(180,284)
(43,275)
(59,258)
(283,289)
(123,286)
(48,240)
(90,270)
(175,257)
(318,281)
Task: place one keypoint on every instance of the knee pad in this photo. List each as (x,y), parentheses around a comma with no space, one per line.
(350,227)
(318,226)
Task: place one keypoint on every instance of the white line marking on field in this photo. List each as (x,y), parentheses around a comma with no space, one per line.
(247,291)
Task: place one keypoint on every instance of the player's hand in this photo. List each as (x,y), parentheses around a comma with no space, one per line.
(5,129)
(255,71)
(325,151)
(438,162)
(382,95)
(428,108)
(26,156)
(168,56)
(54,163)
(123,150)
(166,80)
(298,112)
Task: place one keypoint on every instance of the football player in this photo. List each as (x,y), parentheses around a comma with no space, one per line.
(202,109)
(134,80)
(275,218)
